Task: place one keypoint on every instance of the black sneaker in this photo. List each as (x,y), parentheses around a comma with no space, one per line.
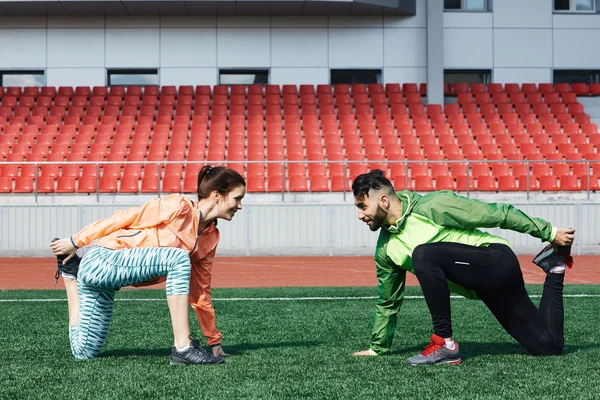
(71,268)
(552,256)
(195,354)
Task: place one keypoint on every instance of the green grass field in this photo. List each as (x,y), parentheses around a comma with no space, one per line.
(291,349)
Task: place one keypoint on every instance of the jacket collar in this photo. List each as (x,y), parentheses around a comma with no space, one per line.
(407,205)
(196,218)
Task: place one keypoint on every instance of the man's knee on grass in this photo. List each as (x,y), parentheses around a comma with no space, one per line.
(548,346)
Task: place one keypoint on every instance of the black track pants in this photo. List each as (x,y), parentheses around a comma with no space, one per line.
(495,275)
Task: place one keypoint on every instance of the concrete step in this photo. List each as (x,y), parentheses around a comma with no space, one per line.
(589,101)
(591,106)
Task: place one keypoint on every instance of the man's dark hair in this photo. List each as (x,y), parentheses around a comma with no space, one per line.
(374,180)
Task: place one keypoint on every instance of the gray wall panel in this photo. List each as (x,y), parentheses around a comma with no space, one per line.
(507,42)
(282,229)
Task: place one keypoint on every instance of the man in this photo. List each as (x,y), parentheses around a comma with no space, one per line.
(436,237)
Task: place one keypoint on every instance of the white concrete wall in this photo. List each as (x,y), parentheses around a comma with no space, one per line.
(519,41)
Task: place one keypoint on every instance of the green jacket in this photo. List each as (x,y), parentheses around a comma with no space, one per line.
(436,217)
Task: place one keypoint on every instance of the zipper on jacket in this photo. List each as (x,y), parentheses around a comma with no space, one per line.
(133,234)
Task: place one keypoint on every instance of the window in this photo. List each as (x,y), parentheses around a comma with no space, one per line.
(22,78)
(577,6)
(137,77)
(576,76)
(243,76)
(467,76)
(351,76)
(467,5)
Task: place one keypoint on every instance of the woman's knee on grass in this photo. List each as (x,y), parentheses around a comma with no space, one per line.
(80,350)
(86,354)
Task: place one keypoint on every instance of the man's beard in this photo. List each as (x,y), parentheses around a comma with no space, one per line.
(379,219)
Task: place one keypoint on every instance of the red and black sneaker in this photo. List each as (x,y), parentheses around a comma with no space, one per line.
(437,353)
(554,256)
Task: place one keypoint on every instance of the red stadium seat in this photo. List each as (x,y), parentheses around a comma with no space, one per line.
(461,183)
(443,182)
(549,183)
(507,183)
(486,184)
(424,183)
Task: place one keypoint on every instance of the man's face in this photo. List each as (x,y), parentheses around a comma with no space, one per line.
(370,210)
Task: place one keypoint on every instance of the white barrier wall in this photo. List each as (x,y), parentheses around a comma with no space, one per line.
(520,41)
(277,229)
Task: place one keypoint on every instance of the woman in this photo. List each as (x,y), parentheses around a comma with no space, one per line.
(162,240)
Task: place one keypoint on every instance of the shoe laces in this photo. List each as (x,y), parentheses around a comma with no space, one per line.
(196,346)
(569,261)
(59,271)
(431,348)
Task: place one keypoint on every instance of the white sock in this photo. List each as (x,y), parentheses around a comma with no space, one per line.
(184,348)
(558,269)
(450,344)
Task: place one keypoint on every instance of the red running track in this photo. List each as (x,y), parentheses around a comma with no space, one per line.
(237,272)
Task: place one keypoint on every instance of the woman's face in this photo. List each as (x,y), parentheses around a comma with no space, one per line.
(231,203)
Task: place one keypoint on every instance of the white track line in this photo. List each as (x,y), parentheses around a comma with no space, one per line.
(276,298)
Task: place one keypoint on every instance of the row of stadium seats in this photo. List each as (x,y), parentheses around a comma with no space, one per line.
(203,90)
(277,98)
(149,105)
(349,117)
(580,89)
(406,88)
(401,140)
(330,169)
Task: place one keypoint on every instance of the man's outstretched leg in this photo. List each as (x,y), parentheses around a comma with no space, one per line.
(539,329)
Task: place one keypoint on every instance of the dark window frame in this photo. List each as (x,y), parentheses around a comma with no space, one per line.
(140,71)
(485,73)
(37,72)
(593,75)
(572,10)
(263,72)
(352,72)
(488,4)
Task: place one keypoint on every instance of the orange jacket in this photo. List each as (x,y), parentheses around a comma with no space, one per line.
(171,221)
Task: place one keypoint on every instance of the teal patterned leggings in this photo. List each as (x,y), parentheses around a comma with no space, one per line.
(102,271)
